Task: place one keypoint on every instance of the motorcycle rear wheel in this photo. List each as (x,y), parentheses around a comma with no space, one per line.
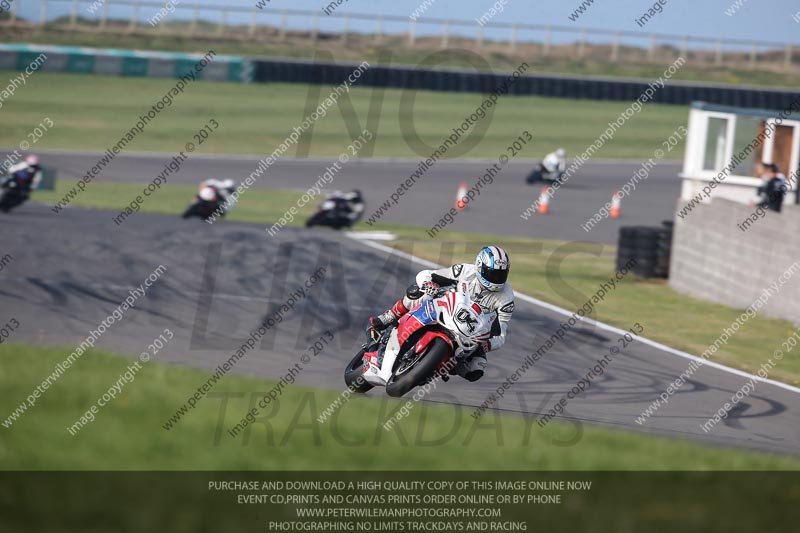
(421,372)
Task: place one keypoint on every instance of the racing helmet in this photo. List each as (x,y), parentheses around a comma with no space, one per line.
(208,194)
(561,152)
(492,267)
(228,184)
(32,161)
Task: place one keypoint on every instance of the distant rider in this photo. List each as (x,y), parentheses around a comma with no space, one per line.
(22,179)
(551,168)
(224,190)
(28,172)
(349,204)
(487,283)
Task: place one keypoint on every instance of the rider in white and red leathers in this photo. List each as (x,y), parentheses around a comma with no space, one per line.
(486,280)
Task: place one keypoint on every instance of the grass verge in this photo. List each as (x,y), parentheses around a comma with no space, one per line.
(128,434)
(93,112)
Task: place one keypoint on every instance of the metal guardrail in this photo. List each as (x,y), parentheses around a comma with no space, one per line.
(617,46)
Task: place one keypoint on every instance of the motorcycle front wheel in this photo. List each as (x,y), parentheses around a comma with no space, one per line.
(354,375)
(421,371)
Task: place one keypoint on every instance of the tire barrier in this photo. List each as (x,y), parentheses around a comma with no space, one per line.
(650,247)
(109,61)
(576,87)
(113,62)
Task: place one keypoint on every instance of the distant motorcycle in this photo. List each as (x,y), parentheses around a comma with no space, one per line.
(539,173)
(338,211)
(14,191)
(431,338)
(206,203)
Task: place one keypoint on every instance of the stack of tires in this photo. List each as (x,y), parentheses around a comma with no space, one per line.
(663,249)
(650,247)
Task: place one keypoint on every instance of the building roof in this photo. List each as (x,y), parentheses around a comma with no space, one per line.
(746,111)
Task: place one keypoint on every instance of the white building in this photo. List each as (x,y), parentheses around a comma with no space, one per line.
(726,143)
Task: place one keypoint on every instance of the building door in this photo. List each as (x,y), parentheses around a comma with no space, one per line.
(782,148)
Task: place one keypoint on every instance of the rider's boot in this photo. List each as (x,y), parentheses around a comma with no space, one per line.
(388,317)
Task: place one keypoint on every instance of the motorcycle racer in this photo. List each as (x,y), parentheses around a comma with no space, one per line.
(224,190)
(487,283)
(29,172)
(555,162)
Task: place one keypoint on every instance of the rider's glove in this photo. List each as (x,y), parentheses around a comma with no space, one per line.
(430,288)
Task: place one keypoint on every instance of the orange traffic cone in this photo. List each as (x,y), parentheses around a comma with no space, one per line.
(462,192)
(616,206)
(544,201)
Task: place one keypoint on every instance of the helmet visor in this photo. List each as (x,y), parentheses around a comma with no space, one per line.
(494,275)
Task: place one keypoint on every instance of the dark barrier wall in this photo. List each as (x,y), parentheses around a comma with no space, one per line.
(589,88)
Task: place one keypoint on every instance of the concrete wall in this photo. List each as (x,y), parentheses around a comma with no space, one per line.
(713,259)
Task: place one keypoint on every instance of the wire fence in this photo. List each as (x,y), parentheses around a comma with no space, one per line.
(293,26)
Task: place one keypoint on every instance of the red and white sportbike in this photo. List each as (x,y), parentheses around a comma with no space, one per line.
(432,337)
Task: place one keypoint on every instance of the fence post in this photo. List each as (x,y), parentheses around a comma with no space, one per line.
(446,34)
(223,19)
(651,50)
(193,23)
(753,55)
(284,16)
(547,36)
(615,48)
(314,27)
(582,44)
(412,33)
(685,47)
(104,16)
(134,17)
(718,54)
(252,30)
(379,29)
(345,28)
(73,14)
(480,34)
(787,60)
(42,12)
(513,38)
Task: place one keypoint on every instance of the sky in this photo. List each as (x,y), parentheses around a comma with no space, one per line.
(761,20)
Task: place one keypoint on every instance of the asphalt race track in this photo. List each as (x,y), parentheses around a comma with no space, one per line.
(70,270)
(496,210)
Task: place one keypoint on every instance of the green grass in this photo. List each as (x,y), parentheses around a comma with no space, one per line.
(564,274)
(93,112)
(127,433)
(361,48)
